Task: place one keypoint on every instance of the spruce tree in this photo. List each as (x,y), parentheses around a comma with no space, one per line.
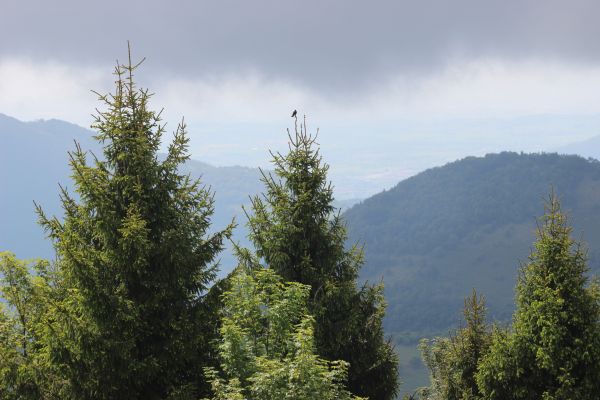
(299,234)
(553,349)
(134,258)
(453,361)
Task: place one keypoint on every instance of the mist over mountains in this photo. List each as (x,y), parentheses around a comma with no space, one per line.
(589,148)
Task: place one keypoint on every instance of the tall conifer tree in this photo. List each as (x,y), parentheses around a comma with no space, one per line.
(297,231)
(134,259)
(553,350)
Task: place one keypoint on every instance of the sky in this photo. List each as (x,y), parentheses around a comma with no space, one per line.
(394,87)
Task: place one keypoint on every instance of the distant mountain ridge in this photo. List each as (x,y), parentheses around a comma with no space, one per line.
(436,236)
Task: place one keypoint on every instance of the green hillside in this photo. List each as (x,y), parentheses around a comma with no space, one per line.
(468,224)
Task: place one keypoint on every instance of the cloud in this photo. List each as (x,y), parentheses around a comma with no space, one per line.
(483,88)
(248,97)
(400,85)
(33,90)
(493,88)
(372,138)
(332,46)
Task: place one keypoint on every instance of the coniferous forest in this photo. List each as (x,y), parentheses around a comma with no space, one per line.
(131,307)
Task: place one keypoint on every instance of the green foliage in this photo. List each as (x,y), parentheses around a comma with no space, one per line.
(553,350)
(453,361)
(298,233)
(24,371)
(10,358)
(267,348)
(16,336)
(133,261)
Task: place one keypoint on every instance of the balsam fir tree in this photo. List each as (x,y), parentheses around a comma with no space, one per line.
(553,349)
(134,259)
(299,234)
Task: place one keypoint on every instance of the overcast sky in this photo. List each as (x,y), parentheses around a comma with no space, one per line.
(394,86)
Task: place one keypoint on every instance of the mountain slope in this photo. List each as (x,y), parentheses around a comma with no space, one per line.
(468,224)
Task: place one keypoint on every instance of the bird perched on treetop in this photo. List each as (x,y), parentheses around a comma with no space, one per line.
(294,113)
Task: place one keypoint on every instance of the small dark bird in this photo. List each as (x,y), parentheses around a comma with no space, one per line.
(294,113)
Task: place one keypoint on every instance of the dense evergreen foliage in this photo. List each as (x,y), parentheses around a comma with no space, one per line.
(466,225)
(551,352)
(133,260)
(297,232)
(553,348)
(266,349)
(24,374)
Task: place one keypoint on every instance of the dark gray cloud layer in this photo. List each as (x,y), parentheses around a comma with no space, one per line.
(331,42)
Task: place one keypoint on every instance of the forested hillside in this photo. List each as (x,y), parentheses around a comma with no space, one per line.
(469,224)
